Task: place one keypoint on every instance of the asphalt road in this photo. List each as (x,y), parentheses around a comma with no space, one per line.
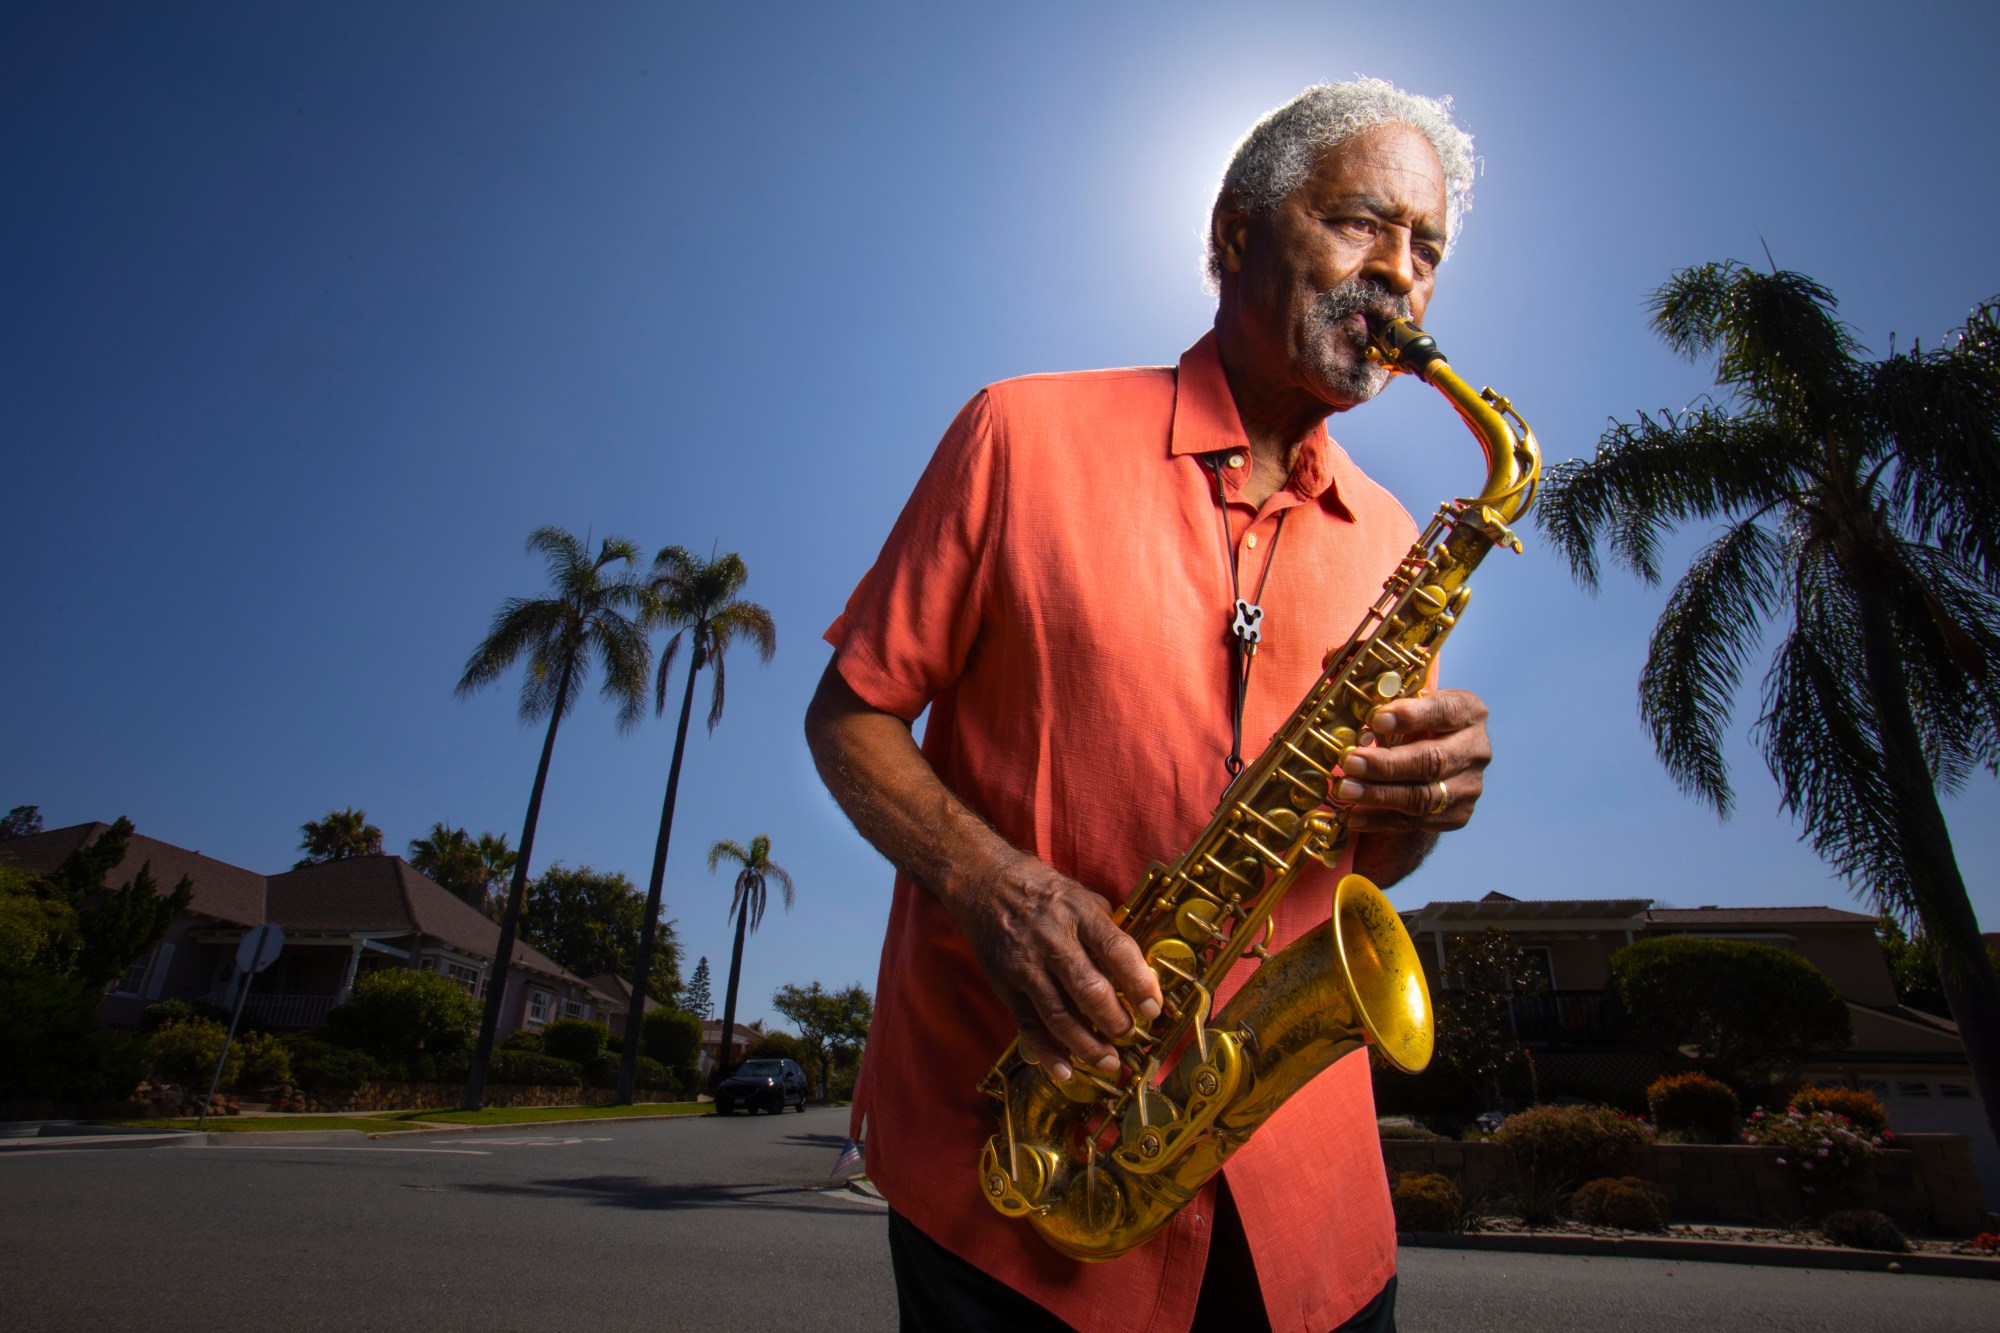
(641,1225)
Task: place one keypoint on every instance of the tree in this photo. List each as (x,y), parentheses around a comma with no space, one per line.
(1861,510)
(833,1025)
(1913,966)
(395,1012)
(21,821)
(498,859)
(451,858)
(1749,1012)
(593,613)
(746,904)
(343,833)
(698,1001)
(696,598)
(1476,1032)
(64,938)
(588,920)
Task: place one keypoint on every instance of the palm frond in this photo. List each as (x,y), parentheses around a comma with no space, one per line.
(725,847)
(1705,634)
(1820,740)
(667,656)
(1940,412)
(517,627)
(1650,475)
(1775,335)
(1948,635)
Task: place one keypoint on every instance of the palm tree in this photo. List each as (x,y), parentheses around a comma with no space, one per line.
(450,856)
(497,866)
(343,833)
(590,613)
(746,904)
(1860,504)
(695,597)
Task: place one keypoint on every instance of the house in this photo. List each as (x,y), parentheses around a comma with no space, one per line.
(711,1042)
(616,999)
(342,920)
(1912,1061)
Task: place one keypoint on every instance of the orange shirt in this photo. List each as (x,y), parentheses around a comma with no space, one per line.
(1056,592)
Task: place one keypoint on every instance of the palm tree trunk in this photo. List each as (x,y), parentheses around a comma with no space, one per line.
(642,971)
(510,920)
(729,996)
(1946,911)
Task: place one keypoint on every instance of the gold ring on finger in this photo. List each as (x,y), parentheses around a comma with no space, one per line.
(1443,801)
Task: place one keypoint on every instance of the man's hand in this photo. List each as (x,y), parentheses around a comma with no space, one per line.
(1052,954)
(1427,769)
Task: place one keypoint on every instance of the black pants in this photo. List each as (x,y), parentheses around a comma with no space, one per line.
(938,1292)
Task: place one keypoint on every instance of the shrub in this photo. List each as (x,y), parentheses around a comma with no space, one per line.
(186,1054)
(1821,1148)
(401,1011)
(1748,1009)
(1565,1145)
(1866,1113)
(1863,1229)
(1628,1203)
(674,1039)
(578,1039)
(1695,1107)
(520,1039)
(602,1072)
(526,1069)
(1427,1203)
(168,1013)
(265,1061)
(322,1068)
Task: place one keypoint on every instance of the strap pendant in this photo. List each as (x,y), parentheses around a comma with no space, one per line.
(1249,623)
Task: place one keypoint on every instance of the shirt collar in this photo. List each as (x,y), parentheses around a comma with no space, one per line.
(1206,422)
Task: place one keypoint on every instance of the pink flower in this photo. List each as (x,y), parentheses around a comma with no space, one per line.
(1781,1161)
(1806,1165)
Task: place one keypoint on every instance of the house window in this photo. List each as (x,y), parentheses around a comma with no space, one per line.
(575,1009)
(468,977)
(1913,1089)
(538,1006)
(134,979)
(1954,1090)
(1875,1085)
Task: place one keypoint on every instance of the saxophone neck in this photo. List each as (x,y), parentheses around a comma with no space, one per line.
(1513,458)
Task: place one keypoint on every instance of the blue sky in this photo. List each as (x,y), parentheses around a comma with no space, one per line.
(312,314)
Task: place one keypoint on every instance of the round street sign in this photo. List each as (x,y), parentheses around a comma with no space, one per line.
(260,947)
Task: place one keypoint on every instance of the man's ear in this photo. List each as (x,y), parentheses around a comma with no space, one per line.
(1229,231)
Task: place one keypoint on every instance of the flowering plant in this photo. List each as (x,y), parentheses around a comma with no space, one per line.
(1821,1148)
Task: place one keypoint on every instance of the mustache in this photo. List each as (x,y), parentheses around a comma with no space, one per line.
(1356,297)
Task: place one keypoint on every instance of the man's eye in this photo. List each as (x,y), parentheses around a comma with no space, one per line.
(1428,257)
(1359,226)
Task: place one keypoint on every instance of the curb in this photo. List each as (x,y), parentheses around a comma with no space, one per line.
(1710,1252)
(95,1142)
(529,1126)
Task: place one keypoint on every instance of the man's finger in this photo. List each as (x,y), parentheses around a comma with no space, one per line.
(1437,712)
(1072,1031)
(1123,963)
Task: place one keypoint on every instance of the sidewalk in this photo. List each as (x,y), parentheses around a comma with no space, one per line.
(1708,1251)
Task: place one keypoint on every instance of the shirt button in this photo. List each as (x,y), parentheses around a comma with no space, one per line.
(1251,541)
(1236,460)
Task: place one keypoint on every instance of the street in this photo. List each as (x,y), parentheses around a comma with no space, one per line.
(695,1223)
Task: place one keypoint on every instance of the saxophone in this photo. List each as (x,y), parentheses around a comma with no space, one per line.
(1099,1162)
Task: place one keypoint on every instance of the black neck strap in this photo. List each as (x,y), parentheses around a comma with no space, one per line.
(1246,623)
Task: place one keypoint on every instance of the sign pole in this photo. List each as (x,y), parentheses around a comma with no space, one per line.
(257,951)
(249,978)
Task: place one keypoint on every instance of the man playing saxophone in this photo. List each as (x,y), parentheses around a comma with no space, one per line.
(1108,588)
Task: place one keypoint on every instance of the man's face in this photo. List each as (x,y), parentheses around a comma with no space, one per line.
(1362,236)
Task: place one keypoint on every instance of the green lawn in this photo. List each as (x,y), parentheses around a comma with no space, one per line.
(531,1115)
(271,1124)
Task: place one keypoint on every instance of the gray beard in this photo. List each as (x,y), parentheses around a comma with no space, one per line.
(1359,379)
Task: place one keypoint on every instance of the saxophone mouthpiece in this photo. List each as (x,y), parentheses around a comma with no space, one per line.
(1402,347)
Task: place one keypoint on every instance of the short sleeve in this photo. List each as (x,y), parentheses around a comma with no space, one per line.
(912,621)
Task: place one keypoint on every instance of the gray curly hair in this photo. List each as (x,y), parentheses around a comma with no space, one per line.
(1283,148)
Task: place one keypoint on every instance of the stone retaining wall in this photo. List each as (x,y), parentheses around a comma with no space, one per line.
(1925,1182)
